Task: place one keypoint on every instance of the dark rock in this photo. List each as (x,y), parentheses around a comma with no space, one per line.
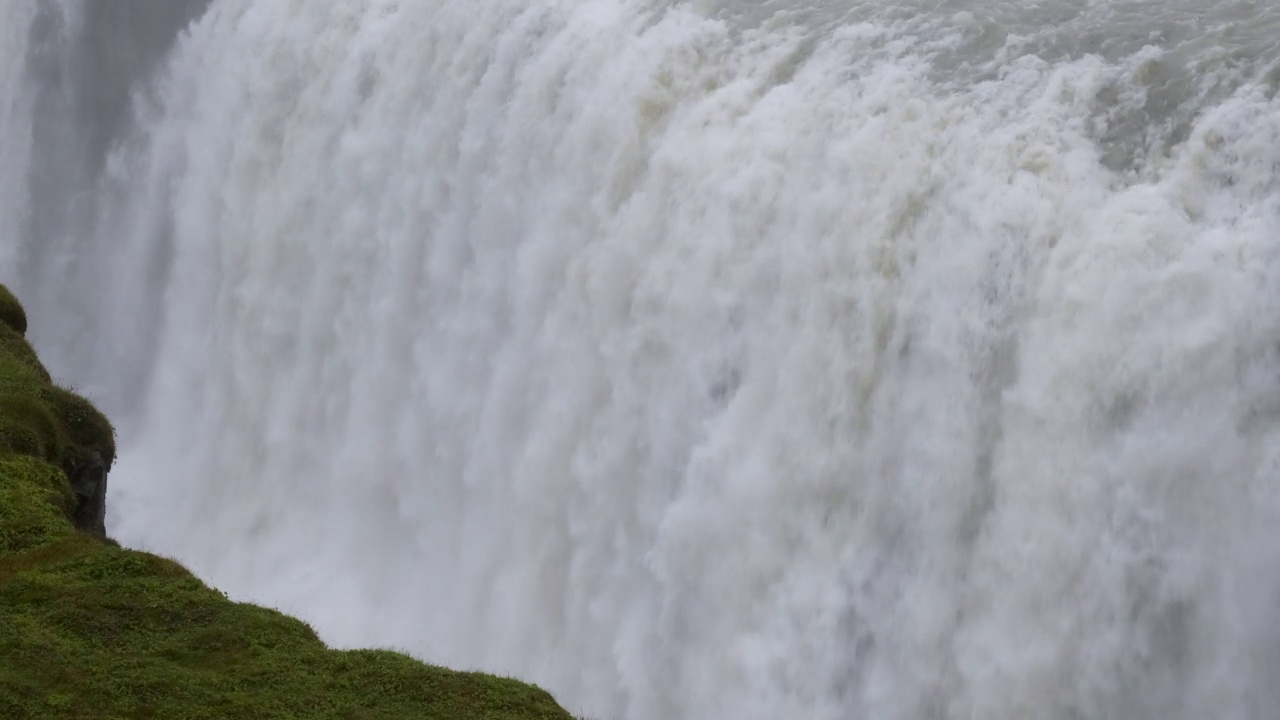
(89,483)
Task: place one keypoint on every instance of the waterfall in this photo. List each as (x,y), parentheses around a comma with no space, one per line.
(707,359)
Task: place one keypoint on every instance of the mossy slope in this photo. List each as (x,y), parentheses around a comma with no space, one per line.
(91,630)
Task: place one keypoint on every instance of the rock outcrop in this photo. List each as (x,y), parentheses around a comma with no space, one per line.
(91,630)
(89,484)
(40,419)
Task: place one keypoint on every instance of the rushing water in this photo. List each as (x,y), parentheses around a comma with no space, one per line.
(758,360)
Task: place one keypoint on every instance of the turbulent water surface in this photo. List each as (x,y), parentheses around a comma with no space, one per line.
(715,359)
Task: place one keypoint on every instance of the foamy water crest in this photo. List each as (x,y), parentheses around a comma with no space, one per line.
(694,361)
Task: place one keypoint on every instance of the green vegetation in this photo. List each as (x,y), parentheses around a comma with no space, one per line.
(91,630)
(11,313)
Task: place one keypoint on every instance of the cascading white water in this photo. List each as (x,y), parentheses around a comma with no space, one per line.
(698,360)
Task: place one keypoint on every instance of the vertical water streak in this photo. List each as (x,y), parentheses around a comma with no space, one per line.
(79,72)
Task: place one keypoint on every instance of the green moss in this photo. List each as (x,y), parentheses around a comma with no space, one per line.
(42,420)
(11,312)
(91,630)
(34,501)
(18,357)
(84,429)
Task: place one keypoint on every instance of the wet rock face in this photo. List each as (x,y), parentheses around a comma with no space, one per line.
(89,483)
